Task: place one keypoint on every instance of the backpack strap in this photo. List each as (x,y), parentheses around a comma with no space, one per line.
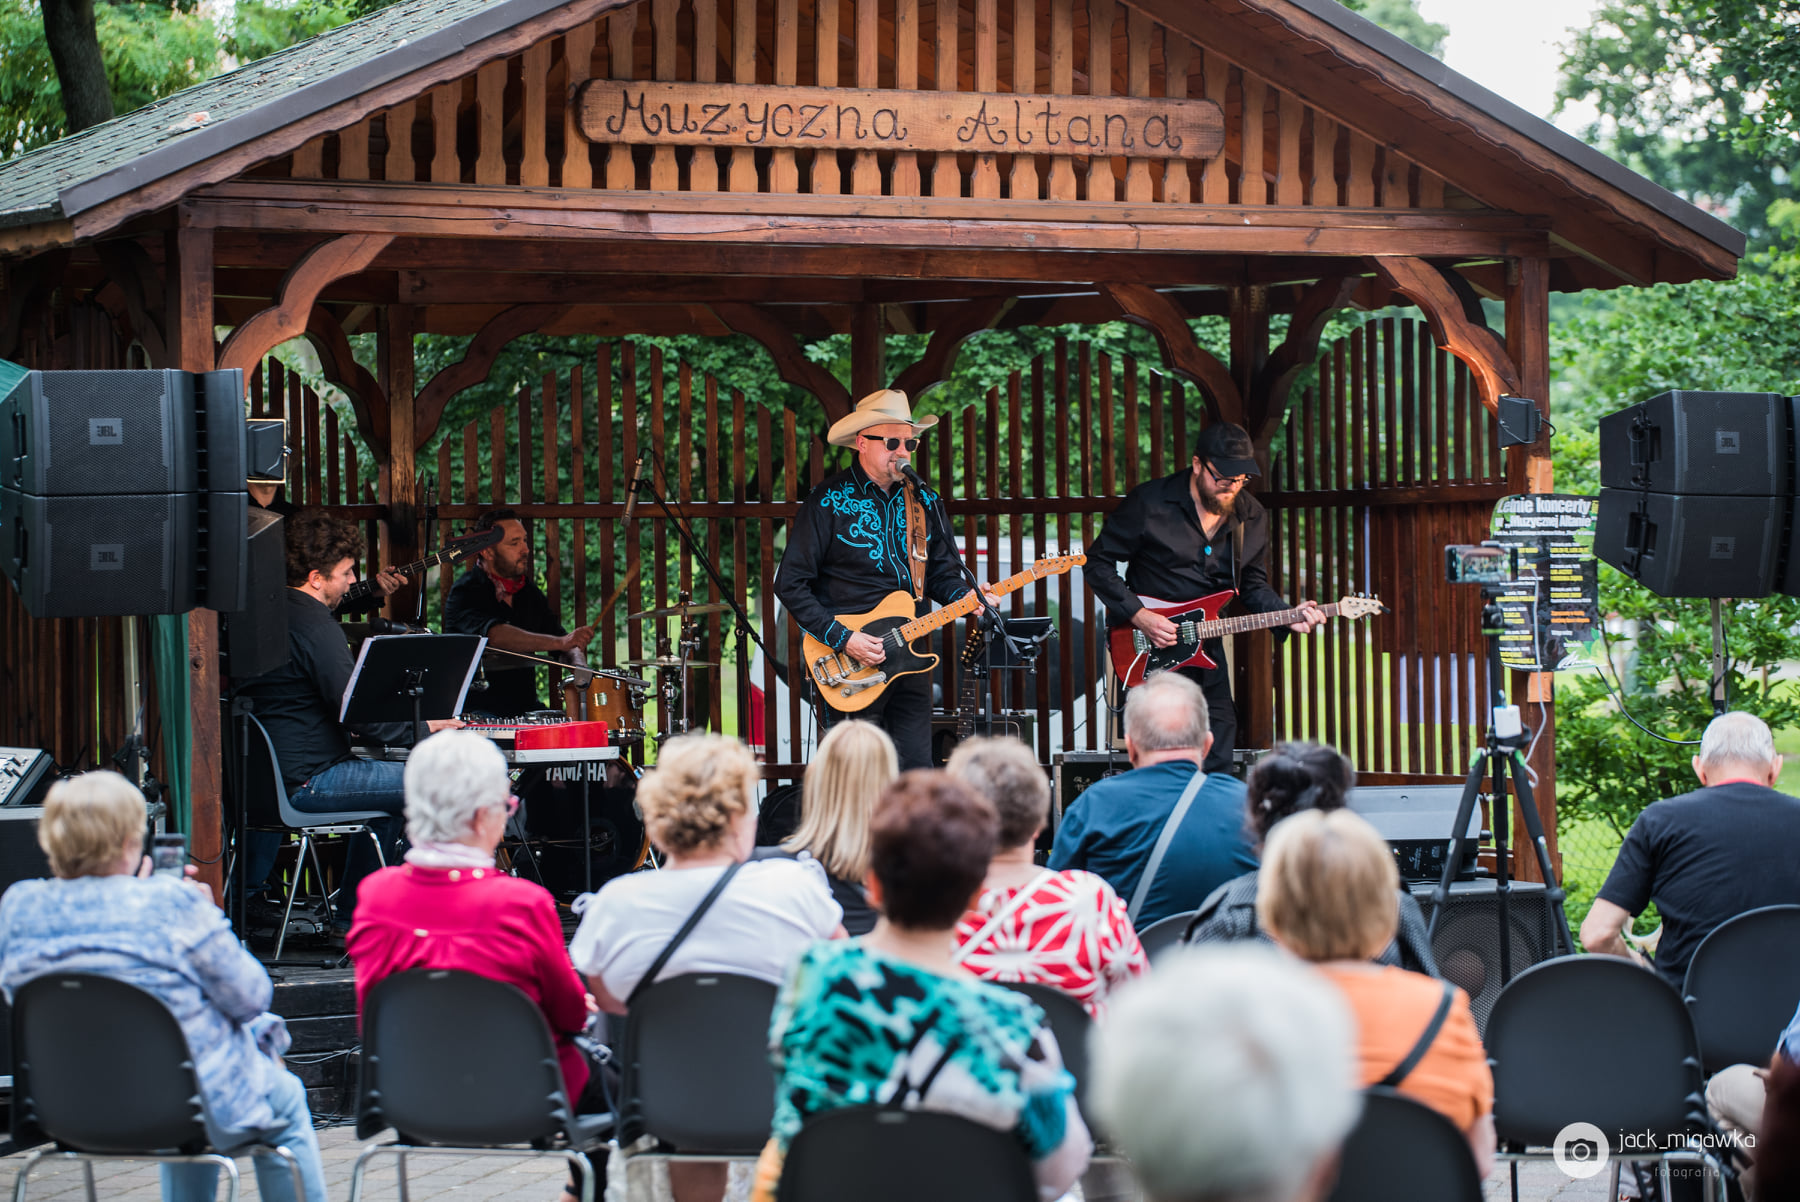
(680,936)
(1426,1039)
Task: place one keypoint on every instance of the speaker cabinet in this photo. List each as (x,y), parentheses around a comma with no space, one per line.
(255,638)
(1707,443)
(1011,724)
(1693,546)
(1466,944)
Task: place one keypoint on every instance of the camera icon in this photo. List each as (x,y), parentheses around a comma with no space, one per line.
(1581,1150)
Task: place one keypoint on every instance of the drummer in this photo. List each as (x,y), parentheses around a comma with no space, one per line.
(498,598)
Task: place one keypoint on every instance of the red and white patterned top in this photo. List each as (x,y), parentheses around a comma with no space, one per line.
(1073,933)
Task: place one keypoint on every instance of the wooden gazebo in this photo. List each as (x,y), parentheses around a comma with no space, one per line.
(786,168)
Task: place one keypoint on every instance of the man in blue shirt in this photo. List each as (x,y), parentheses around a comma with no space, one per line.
(1114,827)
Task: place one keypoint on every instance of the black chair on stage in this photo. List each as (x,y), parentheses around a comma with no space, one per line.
(427,1075)
(879,1154)
(1742,986)
(102,1071)
(695,1063)
(268,809)
(1404,1151)
(1164,934)
(1598,1041)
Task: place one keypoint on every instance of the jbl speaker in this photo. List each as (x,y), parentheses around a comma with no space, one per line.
(123,433)
(254,638)
(1732,444)
(1679,545)
(93,556)
(1466,943)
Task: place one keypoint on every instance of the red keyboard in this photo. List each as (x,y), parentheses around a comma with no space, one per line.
(537,736)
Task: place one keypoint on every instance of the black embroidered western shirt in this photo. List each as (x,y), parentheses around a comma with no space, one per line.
(846,551)
(1170,558)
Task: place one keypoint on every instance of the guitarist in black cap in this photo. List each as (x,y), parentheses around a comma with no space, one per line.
(1187,536)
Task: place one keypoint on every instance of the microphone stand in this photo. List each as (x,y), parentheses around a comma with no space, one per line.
(990,614)
(742,631)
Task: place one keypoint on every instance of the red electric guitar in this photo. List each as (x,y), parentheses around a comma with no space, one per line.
(1134,657)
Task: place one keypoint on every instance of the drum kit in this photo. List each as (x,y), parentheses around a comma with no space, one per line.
(618,698)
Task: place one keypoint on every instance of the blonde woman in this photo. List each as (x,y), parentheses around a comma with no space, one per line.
(1329,893)
(855,762)
(104,914)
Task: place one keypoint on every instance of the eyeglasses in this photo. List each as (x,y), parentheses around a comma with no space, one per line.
(1226,481)
(892,444)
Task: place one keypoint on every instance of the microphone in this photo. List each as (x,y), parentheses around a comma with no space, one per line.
(906,469)
(631,490)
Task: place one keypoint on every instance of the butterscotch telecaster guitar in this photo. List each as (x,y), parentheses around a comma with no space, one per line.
(848,685)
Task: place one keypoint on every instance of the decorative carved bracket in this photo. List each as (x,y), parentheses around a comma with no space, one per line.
(754,321)
(1269,394)
(1445,308)
(964,322)
(140,286)
(477,361)
(1144,306)
(367,399)
(300,288)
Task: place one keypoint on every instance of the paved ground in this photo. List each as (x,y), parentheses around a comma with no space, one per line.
(503,1179)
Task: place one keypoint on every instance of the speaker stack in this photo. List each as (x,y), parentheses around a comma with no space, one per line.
(123,492)
(1697,494)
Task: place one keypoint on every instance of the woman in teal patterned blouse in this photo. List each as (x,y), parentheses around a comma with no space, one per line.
(891,1020)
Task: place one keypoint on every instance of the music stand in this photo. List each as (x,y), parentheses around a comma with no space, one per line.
(425,676)
(1022,642)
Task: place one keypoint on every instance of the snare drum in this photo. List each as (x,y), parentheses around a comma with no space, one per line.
(610,701)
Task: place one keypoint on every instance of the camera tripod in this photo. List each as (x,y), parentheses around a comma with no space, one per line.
(1499,754)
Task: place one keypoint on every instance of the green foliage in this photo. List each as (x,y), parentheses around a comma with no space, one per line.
(260,28)
(1699,95)
(150,51)
(1403,19)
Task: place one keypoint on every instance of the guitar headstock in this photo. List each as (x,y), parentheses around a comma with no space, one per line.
(973,645)
(1360,605)
(459,549)
(1056,564)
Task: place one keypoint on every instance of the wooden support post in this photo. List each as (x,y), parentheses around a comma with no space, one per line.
(399,474)
(868,350)
(1254,663)
(1528,470)
(188,311)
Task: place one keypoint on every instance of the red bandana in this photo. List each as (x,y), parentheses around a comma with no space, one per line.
(509,587)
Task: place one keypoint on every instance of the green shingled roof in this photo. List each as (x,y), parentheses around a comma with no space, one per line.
(79,172)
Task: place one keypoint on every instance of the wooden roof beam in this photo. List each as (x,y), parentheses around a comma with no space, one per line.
(288,317)
(1144,306)
(1452,328)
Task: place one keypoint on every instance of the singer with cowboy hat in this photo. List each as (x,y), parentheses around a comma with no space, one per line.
(862,534)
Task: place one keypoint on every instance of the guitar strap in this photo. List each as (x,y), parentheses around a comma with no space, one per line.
(1237,552)
(916,552)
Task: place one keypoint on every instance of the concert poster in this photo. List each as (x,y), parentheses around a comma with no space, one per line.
(1550,613)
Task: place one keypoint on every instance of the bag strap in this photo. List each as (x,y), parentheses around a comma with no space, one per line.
(917,553)
(1012,906)
(1426,1039)
(1142,893)
(687,928)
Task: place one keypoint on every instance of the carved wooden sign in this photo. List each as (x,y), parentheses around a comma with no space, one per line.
(755,115)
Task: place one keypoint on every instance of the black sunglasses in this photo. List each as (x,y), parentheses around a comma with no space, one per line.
(892,444)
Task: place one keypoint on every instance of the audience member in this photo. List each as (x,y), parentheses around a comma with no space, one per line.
(854,763)
(1165,804)
(1227,1075)
(699,805)
(1745,1098)
(1064,929)
(1706,856)
(166,937)
(1291,778)
(449,907)
(891,1019)
(1329,895)
(299,702)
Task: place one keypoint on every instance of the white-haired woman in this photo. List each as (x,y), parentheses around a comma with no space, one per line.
(447,906)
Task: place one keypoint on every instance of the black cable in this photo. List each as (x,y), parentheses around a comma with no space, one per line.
(1619,698)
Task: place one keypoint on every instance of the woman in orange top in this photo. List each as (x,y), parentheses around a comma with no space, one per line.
(1328,894)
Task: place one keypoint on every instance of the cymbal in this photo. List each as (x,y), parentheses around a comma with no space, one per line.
(693,609)
(669,661)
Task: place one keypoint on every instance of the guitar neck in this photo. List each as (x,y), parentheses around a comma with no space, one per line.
(1249,622)
(363,588)
(962,606)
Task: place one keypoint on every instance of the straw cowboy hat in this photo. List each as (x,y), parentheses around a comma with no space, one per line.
(889,406)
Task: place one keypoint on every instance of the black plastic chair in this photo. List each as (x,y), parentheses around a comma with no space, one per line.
(1070,1023)
(103,1072)
(695,1060)
(455,1062)
(1164,934)
(878,1154)
(1742,986)
(1404,1151)
(1596,1040)
(268,809)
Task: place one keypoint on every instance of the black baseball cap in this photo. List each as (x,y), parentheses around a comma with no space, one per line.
(1228,450)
